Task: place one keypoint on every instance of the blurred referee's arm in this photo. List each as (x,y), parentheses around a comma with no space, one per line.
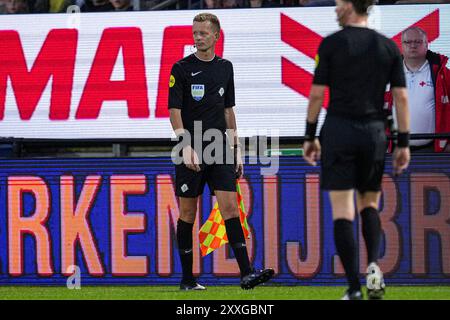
(230,120)
(311,146)
(401,154)
(190,157)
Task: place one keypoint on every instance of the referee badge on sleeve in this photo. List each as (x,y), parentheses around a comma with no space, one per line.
(316,60)
(197,91)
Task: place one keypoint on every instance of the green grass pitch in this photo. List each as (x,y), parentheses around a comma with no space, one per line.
(212,293)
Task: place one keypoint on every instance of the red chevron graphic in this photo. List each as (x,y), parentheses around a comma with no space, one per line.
(298,79)
(293,76)
(429,23)
(307,42)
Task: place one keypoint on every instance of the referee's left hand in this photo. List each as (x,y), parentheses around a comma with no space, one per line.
(239,166)
(311,151)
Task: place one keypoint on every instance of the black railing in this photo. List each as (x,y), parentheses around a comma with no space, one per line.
(11,147)
(170,142)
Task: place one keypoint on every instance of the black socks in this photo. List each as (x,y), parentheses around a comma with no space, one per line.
(346,248)
(371,230)
(235,238)
(237,242)
(184,239)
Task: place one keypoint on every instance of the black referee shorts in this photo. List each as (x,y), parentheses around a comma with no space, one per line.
(190,184)
(353,154)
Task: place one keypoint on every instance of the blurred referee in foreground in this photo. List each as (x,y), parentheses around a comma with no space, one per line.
(356,64)
(202,93)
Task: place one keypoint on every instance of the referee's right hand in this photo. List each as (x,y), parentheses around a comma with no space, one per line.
(190,159)
(311,151)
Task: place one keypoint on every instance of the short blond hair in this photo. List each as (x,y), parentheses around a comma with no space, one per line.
(212,18)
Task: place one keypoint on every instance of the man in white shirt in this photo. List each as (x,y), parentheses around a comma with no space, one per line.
(427,92)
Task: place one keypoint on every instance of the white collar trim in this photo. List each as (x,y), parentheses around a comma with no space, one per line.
(422,68)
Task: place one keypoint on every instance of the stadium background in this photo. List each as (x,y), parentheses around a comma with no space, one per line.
(118,65)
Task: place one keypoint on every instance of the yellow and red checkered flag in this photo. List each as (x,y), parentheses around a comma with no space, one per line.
(212,234)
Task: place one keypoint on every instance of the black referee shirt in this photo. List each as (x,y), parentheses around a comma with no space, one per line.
(202,90)
(357,64)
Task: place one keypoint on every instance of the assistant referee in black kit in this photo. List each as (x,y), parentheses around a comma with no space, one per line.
(202,92)
(356,63)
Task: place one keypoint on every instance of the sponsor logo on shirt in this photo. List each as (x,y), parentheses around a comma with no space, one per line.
(171,81)
(197,91)
(427,83)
